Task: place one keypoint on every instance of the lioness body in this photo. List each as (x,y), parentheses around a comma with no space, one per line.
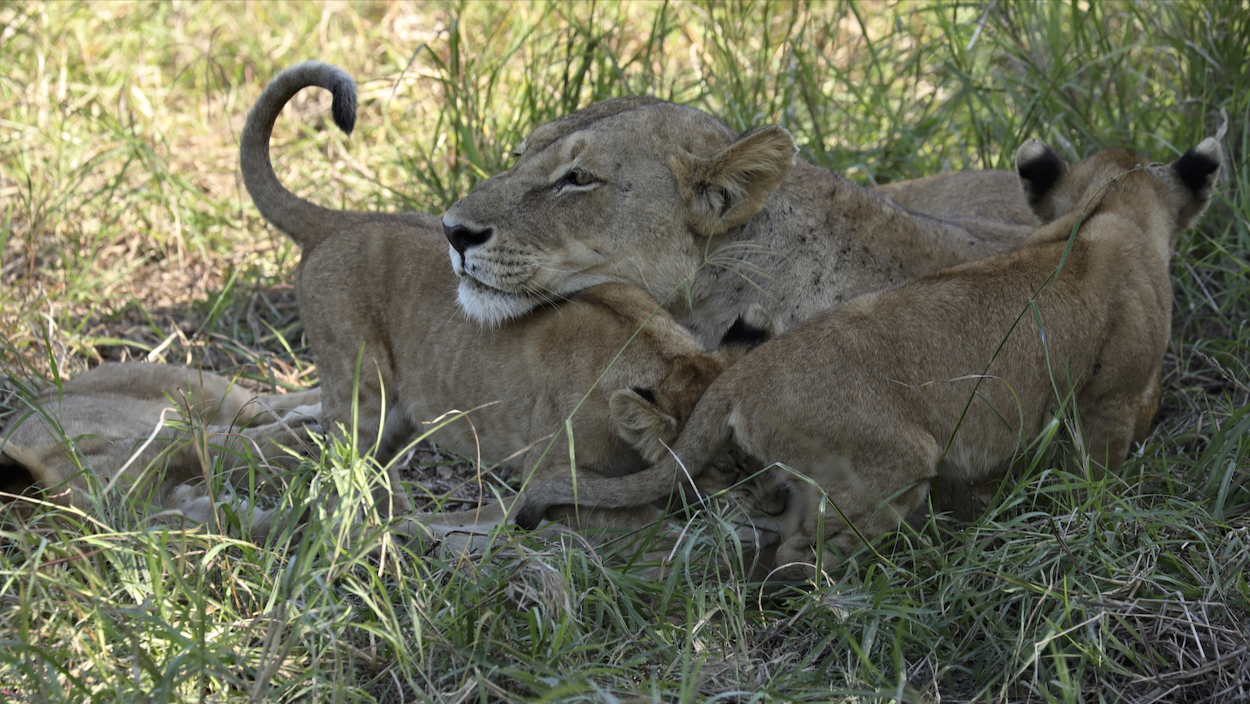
(667,198)
(991,195)
(379,307)
(100,420)
(952,369)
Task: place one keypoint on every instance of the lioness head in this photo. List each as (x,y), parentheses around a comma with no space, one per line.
(613,192)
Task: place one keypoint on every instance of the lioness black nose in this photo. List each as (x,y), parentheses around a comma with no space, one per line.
(462,238)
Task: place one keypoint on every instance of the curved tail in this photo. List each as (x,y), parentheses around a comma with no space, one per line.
(306,223)
(706,431)
(637,489)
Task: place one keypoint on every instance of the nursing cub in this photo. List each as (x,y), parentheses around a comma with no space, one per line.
(956,369)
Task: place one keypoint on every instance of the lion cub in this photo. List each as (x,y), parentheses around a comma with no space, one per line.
(395,350)
(866,400)
(112,416)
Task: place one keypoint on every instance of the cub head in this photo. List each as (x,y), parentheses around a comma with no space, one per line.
(615,192)
(1179,191)
(649,419)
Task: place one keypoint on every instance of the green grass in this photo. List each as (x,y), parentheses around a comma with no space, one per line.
(123,225)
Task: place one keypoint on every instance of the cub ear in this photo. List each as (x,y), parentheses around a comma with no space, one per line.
(754,327)
(1197,170)
(1040,170)
(728,189)
(641,423)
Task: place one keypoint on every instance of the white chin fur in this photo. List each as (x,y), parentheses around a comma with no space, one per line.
(488,307)
(455,260)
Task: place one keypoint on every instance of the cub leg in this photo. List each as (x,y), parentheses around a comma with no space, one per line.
(867,491)
(173,458)
(705,433)
(1110,428)
(794,559)
(1148,406)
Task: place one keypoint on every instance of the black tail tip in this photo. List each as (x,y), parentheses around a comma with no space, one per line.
(343,108)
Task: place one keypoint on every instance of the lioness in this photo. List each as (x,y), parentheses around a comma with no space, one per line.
(958,368)
(108,421)
(379,309)
(646,192)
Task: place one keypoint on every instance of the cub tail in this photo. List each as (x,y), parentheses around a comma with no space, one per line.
(306,223)
(706,432)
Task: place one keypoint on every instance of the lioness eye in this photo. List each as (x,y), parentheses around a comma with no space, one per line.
(575,177)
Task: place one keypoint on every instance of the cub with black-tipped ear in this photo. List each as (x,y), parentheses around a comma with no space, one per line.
(1053,187)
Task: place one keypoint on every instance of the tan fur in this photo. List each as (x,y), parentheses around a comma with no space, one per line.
(99,423)
(642,191)
(379,308)
(863,403)
(964,196)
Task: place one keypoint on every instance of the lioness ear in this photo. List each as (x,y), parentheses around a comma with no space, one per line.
(1040,170)
(728,189)
(641,423)
(753,328)
(1197,170)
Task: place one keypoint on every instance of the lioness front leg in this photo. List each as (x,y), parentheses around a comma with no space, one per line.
(224,402)
(172,457)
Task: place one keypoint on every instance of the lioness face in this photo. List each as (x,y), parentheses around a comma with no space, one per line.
(596,197)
